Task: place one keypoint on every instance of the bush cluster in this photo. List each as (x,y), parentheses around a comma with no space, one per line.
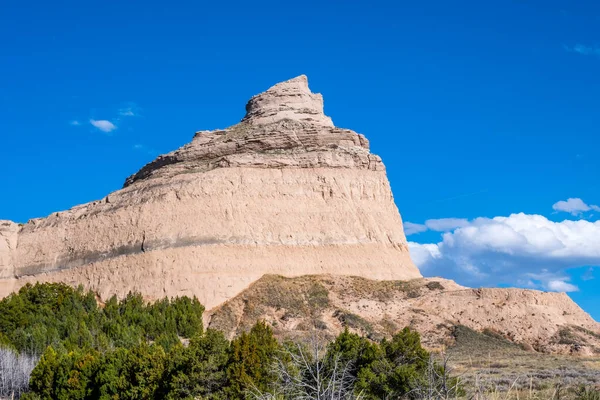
(70,319)
(211,367)
(131,349)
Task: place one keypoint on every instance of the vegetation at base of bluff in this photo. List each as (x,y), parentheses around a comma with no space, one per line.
(69,319)
(130,349)
(253,365)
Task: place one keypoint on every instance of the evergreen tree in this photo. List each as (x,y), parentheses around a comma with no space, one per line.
(55,314)
(251,360)
(402,365)
(198,370)
(42,376)
(358,350)
(130,374)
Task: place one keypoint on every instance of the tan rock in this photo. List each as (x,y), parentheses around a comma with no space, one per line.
(290,100)
(8,243)
(284,127)
(284,192)
(433,306)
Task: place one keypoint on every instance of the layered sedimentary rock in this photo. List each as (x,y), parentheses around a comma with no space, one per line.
(284,191)
(8,243)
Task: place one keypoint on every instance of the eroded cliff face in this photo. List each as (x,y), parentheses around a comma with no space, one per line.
(8,243)
(282,192)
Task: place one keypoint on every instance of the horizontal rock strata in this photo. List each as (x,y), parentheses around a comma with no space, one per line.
(284,192)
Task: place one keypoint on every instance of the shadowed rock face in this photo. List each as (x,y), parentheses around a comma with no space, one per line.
(283,191)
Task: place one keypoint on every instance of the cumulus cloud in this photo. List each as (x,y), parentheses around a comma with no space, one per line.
(423,255)
(411,229)
(75,123)
(574,206)
(521,249)
(103,125)
(437,225)
(446,224)
(561,286)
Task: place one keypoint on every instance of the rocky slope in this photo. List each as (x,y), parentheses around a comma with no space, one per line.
(547,322)
(283,192)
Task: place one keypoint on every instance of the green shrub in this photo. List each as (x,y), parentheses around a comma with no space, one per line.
(251,360)
(130,349)
(57,315)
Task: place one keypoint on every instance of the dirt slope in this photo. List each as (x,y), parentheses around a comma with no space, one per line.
(546,322)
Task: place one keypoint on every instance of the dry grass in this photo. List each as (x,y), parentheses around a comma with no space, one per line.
(501,369)
(556,392)
(487,361)
(363,288)
(295,298)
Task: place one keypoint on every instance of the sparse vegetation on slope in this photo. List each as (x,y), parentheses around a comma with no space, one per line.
(504,370)
(296,306)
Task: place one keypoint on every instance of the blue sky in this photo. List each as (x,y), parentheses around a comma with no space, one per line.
(478,109)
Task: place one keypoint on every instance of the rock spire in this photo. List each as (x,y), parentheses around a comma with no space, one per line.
(283,191)
(291,100)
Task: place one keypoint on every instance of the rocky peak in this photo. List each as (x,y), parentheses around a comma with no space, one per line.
(291,99)
(284,127)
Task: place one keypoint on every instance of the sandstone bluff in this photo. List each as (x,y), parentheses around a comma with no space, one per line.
(282,192)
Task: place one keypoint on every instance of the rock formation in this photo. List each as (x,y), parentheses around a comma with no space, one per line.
(546,322)
(282,192)
(8,243)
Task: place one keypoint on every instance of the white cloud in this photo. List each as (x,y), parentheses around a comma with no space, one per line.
(588,275)
(574,206)
(584,50)
(103,125)
(424,254)
(446,224)
(438,225)
(411,229)
(107,126)
(130,109)
(520,249)
(127,112)
(561,286)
